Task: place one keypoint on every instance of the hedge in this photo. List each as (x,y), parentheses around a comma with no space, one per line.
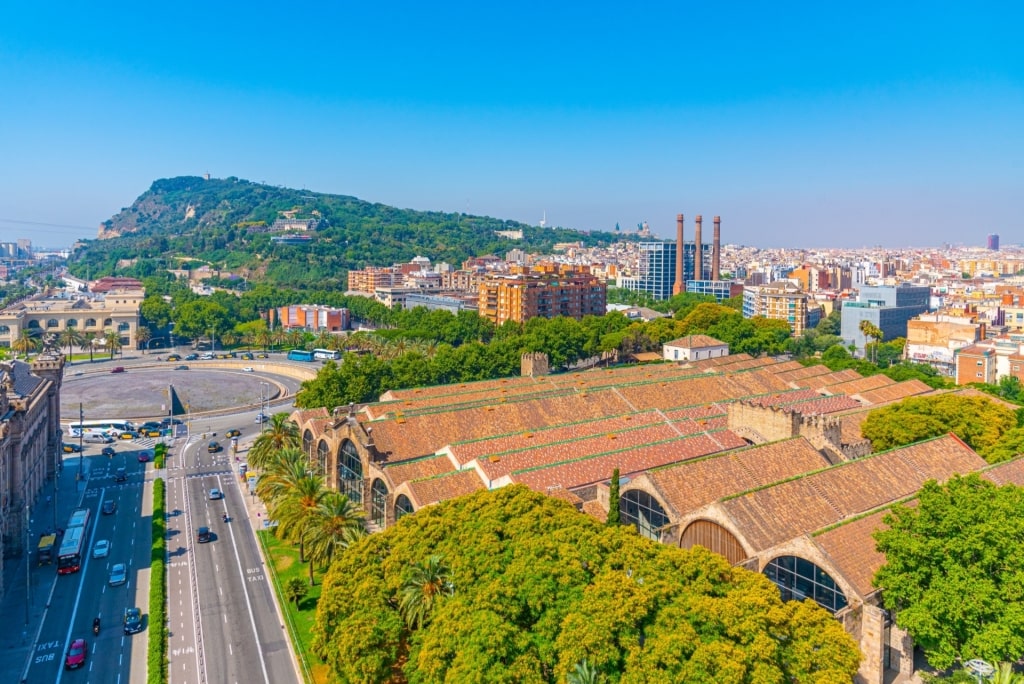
(156,659)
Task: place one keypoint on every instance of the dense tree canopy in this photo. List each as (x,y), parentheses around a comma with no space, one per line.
(524,588)
(953,575)
(986,426)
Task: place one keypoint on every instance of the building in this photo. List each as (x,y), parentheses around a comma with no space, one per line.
(369,279)
(782,301)
(313,318)
(993,242)
(694,348)
(113,312)
(522,296)
(933,338)
(975,363)
(719,289)
(887,308)
(30,443)
(450,302)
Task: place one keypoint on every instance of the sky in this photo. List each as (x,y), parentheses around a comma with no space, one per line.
(801,124)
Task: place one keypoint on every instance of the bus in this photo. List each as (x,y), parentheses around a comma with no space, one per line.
(69,558)
(326,354)
(111,426)
(79,518)
(300,355)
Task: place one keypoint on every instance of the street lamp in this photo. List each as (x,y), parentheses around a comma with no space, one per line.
(262,415)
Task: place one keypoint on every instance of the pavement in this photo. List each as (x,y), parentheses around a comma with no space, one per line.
(24,617)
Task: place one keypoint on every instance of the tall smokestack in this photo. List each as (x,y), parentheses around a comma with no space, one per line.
(716,247)
(679,286)
(698,256)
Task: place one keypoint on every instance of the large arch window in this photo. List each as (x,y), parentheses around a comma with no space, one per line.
(107,322)
(72,323)
(350,472)
(402,506)
(378,502)
(307,444)
(640,509)
(52,323)
(33,325)
(798,578)
(90,323)
(321,456)
(5,330)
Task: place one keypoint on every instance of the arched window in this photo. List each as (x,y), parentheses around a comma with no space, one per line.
(124,326)
(90,323)
(52,323)
(799,579)
(350,472)
(640,509)
(5,330)
(33,325)
(107,322)
(378,502)
(402,506)
(321,457)
(72,323)
(307,444)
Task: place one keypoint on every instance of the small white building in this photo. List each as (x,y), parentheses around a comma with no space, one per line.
(694,348)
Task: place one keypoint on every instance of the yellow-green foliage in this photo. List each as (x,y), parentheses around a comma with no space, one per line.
(538,587)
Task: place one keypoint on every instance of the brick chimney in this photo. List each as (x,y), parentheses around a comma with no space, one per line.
(680,284)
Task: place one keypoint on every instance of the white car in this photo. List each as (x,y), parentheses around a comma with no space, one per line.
(248,369)
(118,574)
(215,494)
(101,549)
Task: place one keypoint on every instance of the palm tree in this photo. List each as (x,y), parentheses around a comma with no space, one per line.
(1005,675)
(142,336)
(248,337)
(295,507)
(28,341)
(263,340)
(427,583)
(279,434)
(295,339)
(281,472)
(871,331)
(88,344)
(70,337)
(278,338)
(583,673)
(112,343)
(229,339)
(336,523)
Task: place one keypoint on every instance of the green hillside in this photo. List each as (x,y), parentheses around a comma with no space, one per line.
(229,224)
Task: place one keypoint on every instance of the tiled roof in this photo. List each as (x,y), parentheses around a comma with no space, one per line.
(803,372)
(688,486)
(827,379)
(852,550)
(850,426)
(825,405)
(418,468)
(24,382)
(695,342)
(449,486)
(891,393)
(1009,472)
(861,384)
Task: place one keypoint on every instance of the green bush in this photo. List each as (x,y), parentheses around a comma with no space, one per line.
(156,658)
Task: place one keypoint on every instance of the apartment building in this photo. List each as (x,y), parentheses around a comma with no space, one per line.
(522,296)
(782,301)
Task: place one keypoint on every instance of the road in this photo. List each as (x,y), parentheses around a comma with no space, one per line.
(223,621)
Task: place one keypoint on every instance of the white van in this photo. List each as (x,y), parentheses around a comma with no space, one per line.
(93,437)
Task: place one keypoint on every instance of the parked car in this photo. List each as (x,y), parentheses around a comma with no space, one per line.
(203,535)
(174,357)
(97,438)
(132,620)
(214,447)
(76,654)
(181,368)
(109,507)
(233,432)
(101,549)
(118,574)
(192,357)
(69,448)
(117,369)
(246,355)
(128,434)
(206,357)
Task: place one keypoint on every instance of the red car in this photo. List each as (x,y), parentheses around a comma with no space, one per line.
(76,654)
(144,457)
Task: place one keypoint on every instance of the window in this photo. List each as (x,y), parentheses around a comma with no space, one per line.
(350,472)
(90,323)
(107,322)
(978,363)
(72,323)
(5,330)
(307,444)
(52,323)
(321,456)
(378,502)
(122,327)
(979,375)
(638,508)
(798,579)
(402,506)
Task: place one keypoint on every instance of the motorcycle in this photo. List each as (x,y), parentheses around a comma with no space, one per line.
(96,625)
(225,517)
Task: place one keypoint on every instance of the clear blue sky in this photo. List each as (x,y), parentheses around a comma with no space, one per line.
(801,124)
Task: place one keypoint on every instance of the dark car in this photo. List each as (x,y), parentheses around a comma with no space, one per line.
(109,507)
(192,357)
(144,457)
(128,434)
(149,425)
(262,355)
(174,357)
(120,475)
(233,433)
(262,418)
(246,355)
(203,535)
(76,654)
(117,369)
(181,368)
(132,620)
(108,451)
(214,447)
(69,448)
(167,422)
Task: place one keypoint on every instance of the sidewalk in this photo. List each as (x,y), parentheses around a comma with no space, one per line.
(24,606)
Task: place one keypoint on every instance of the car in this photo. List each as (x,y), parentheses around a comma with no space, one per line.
(120,475)
(144,457)
(109,507)
(216,494)
(214,447)
(152,432)
(233,432)
(203,535)
(262,355)
(192,357)
(206,357)
(246,355)
(174,357)
(150,425)
(128,434)
(118,574)
(181,368)
(262,418)
(97,438)
(108,451)
(69,448)
(117,369)
(132,620)
(167,422)
(101,549)
(248,369)
(77,653)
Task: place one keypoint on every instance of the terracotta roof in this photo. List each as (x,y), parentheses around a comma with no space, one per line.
(417,469)
(595,510)
(1009,472)
(436,489)
(804,372)
(861,384)
(695,342)
(851,548)
(891,393)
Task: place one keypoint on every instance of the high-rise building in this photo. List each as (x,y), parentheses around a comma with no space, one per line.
(887,308)
(993,242)
(782,301)
(656,272)
(521,296)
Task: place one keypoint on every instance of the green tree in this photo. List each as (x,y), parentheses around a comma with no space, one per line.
(295,589)
(156,311)
(951,572)
(428,582)
(614,516)
(280,433)
(88,344)
(583,673)
(28,341)
(295,509)
(870,332)
(142,336)
(336,523)
(70,337)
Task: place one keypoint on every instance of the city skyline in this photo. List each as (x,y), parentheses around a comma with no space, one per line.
(894,126)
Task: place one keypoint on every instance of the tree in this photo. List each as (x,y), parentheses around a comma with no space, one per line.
(279,434)
(111,343)
(295,589)
(426,584)
(870,332)
(336,523)
(951,572)
(28,341)
(88,343)
(613,499)
(295,507)
(584,673)
(156,311)
(70,338)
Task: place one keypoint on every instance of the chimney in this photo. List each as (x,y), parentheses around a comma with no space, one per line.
(716,247)
(698,256)
(680,284)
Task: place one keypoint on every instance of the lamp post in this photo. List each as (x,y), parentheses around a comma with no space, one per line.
(81,435)
(262,415)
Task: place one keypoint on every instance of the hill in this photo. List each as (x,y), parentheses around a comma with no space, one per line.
(232,224)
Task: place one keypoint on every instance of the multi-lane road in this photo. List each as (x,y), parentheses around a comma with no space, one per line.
(224,625)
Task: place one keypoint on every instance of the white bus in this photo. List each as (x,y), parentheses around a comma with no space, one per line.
(325,354)
(109,427)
